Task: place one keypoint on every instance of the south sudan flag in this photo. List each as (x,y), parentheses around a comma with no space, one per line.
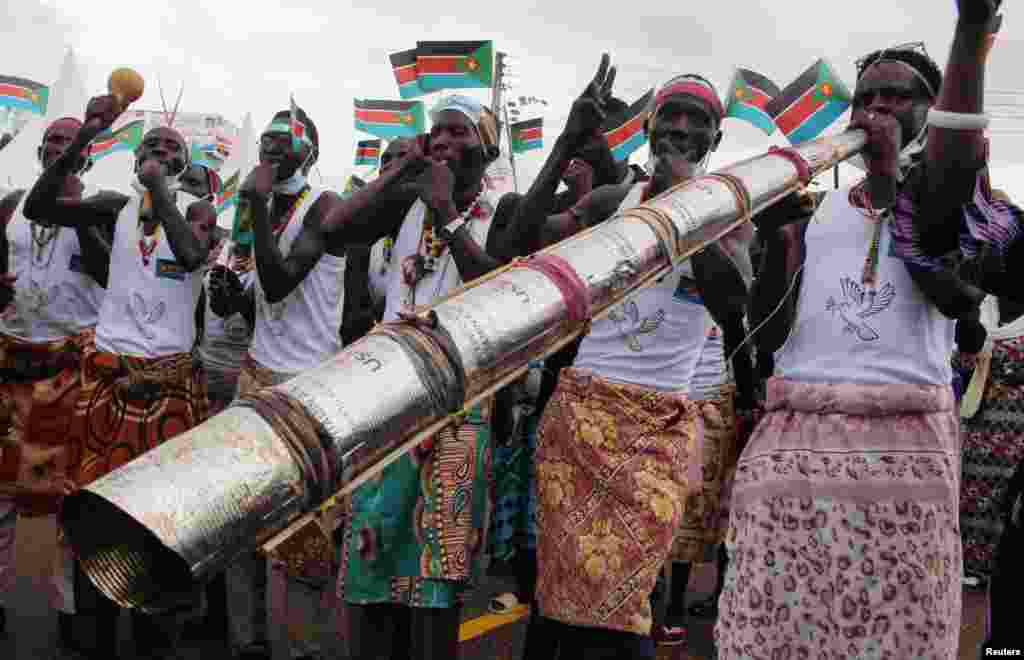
(390,119)
(749,93)
(368,152)
(527,135)
(23,94)
(126,138)
(406,74)
(810,104)
(455,64)
(625,133)
(227,195)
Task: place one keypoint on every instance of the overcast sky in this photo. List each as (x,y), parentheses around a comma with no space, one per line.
(235,56)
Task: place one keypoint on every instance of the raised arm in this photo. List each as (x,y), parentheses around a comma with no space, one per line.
(595,207)
(45,202)
(954,156)
(522,236)
(188,237)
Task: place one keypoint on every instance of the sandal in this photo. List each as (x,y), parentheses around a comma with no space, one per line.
(669,635)
(705,609)
(503,604)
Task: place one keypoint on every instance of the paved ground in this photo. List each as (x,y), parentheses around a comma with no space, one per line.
(33,626)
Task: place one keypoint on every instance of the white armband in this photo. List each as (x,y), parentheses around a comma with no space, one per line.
(958,121)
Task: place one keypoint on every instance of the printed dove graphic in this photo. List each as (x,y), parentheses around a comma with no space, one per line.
(144,316)
(630,314)
(857,305)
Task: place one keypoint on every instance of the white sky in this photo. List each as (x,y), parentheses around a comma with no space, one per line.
(234,56)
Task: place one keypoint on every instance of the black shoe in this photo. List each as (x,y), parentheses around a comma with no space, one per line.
(255,651)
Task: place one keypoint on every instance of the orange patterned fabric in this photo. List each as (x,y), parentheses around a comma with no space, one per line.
(40,387)
(612,479)
(121,415)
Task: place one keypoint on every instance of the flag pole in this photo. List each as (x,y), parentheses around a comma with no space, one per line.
(835,173)
(511,151)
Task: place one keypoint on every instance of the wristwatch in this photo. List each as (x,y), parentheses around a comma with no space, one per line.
(447,232)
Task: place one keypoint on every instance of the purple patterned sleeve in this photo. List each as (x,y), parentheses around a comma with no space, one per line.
(985,221)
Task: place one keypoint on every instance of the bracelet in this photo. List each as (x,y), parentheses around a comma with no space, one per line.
(958,121)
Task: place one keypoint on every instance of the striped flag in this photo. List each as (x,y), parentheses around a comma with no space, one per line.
(126,138)
(390,119)
(454,64)
(298,128)
(625,133)
(749,94)
(23,94)
(368,152)
(527,135)
(810,104)
(407,75)
(229,192)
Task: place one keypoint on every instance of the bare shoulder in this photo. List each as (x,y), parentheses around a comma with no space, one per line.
(9,203)
(601,203)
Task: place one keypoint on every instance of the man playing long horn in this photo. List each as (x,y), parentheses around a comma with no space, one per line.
(49,304)
(618,440)
(418,532)
(844,538)
(140,385)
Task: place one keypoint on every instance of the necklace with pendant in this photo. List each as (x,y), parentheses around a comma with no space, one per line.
(147,244)
(43,237)
(861,201)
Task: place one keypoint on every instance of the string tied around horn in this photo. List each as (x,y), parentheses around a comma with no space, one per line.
(803,169)
(561,273)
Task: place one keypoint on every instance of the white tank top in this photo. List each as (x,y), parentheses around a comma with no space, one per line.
(711,373)
(380,267)
(653,339)
(841,333)
(148,311)
(54,296)
(445,278)
(225,341)
(304,329)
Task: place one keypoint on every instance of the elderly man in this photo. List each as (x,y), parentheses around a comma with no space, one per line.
(49,304)
(140,385)
(404,588)
(844,536)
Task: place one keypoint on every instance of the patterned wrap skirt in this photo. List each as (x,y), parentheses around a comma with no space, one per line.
(706,516)
(417,535)
(843,538)
(615,464)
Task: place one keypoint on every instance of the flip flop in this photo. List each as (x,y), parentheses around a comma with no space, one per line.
(503,604)
(670,635)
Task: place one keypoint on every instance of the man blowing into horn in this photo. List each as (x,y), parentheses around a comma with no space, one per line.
(844,538)
(140,385)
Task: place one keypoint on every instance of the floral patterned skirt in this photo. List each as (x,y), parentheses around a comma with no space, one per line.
(613,473)
(843,538)
(706,517)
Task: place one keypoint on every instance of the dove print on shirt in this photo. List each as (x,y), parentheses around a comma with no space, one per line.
(628,315)
(144,315)
(858,305)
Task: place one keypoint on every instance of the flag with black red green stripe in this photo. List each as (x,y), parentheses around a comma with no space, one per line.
(23,94)
(390,119)
(368,152)
(625,133)
(407,74)
(749,95)
(810,104)
(454,65)
(527,135)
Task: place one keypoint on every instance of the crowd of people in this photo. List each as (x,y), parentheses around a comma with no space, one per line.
(826,402)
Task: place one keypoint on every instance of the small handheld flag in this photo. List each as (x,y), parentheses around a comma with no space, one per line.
(126,138)
(749,93)
(527,135)
(454,64)
(368,152)
(390,119)
(23,94)
(298,129)
(407,75)
(810,104)
(227,194)
(625,133)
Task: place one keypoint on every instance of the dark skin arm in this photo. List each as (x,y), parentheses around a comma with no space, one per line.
(596,206)
(95,243)
(188,238)
(954,158)
(7,208)
(778,284)
(523,236)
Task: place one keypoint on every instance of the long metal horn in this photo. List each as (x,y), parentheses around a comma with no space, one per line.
(148,533)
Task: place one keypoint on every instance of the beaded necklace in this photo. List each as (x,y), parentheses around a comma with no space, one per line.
(432,247)
(278,229)
(860,200)
(147,246)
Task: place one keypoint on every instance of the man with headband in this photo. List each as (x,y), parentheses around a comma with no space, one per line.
(621,410)
(140,385)
(845,505)
(417,534)
(49,304)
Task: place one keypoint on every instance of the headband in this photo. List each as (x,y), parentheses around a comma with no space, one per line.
(484,122)
(280,126)
(688,86)
(912,69)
